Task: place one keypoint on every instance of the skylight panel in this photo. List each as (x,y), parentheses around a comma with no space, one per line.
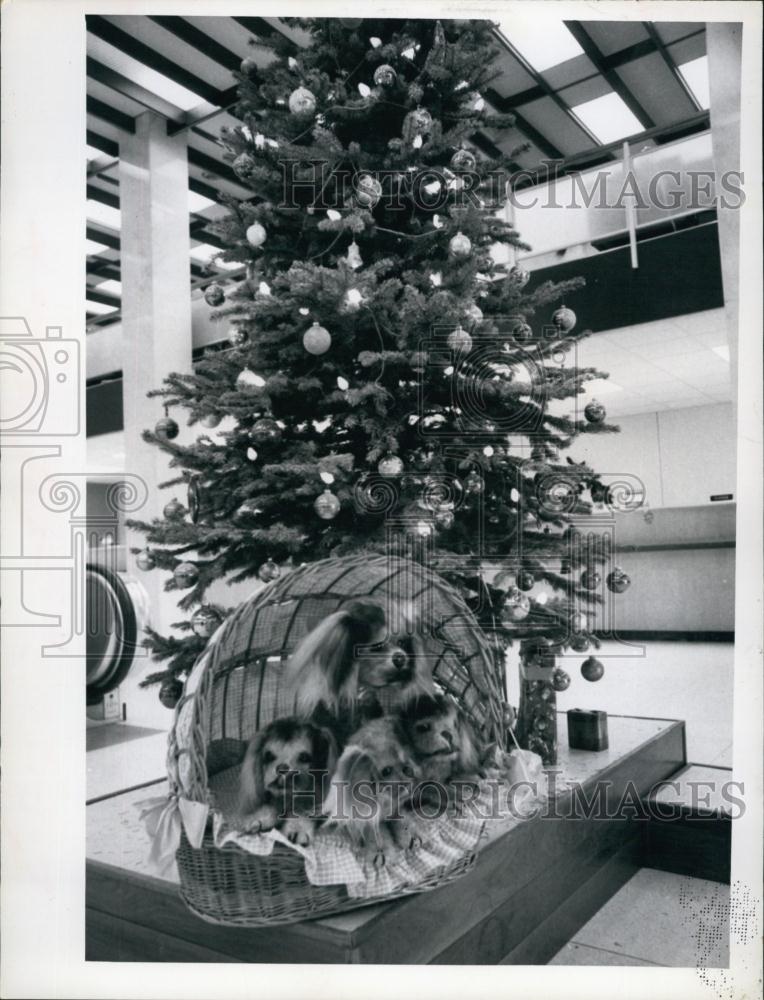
(608,118)
(695,75)
(542,43)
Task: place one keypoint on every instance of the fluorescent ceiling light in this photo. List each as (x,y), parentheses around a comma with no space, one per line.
(99,308)
(92,247)
(695,75)
(608,118)
(543,43)
(204,254)
(105,214)
(144,76)
(723,351)
(197,202)
(110,287)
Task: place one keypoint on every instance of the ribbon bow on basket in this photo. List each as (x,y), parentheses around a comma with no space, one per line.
(165,816)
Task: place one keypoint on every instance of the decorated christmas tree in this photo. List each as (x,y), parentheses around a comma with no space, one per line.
(393,377)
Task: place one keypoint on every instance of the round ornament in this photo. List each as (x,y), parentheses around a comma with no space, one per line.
(170,691)
(385,76)
(592,669)
(618,581)
(517,605)
(302,101)
(368,190)
(579,643)
(459,341)
(460,245)
(560,679)
(194,499)
(444,518)
(167,429)
(521,332)
(248,66)
(590,579)
(475,313)
(391,465)
(237,336)
(214,295)
(185,575)
(327,506)
(268,571)
(420,119)
(564,319)
(525,580)
(463,160)
(210,421)
(174,509)
(474,482)
(265,430)
(316,339)
(595,412)
(243,166)
(205,621)
(256,234)
(519,277)
(145,560)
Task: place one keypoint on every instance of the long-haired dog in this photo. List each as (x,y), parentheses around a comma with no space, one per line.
(371,789)
(351,657)
(282,776)
(442,743)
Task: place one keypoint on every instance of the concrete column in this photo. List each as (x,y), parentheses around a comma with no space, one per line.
(156,337)
(724,46)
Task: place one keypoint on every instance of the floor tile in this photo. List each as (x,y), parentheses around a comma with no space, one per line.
(574,953)
(667,919)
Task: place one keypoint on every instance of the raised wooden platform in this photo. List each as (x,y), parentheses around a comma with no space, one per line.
(533,886)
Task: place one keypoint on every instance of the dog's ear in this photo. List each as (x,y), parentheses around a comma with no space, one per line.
(251,783)
(322,664)
(422,682)
(327,749)
(354,765)
(468,744)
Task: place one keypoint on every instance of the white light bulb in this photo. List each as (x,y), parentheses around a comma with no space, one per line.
(333,215)
(488,450)
(264,288)
(342,383)
(541,598)
(353,297)
(303,311)
(327,477)
(436,278)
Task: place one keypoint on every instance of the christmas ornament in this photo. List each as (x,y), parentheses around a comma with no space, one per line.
(391,465)
(459,341)
(247,377)
(521,333)
(327,506)
(248,66)
(464,160)
(564,319)
(214,295)
(560,679)
(268,571)
(353,258)
(302,101)
(364,90)
(170,691)
(256,234)
(519,277)
(185,575)
(594,412)
(173,509)
(590,579)
(474,482)
(145,560)
(592,669)
(475,313)
(460,245)
(316,339)
(205,621)
(618,581)
(342,383)
(517,605)
(265,430)
(525,580)
(375,42)
(252,454)
(210,420)
(237,336)
(243,166)
(579,643)
(578,621)
(353,300)
(368,190)
(385,76)
(444,518)
(194,499)
(166,428)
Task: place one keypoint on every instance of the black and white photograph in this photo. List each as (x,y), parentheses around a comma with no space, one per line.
(382,569)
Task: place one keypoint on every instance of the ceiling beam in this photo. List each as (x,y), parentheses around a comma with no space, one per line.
(108,114)
(105,197)
(202,42)
(666,56)
(108,146)
(592,51)
(101,297)
(127,88)
(101,234)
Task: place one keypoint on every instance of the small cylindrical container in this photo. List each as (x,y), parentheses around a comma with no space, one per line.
(587,729)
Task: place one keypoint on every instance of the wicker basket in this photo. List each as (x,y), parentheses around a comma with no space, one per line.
(238,686)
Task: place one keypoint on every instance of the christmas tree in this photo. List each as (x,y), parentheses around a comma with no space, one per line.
(392,382)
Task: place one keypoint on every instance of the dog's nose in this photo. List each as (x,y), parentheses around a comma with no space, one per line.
(399,660)
(448,736)
(283,769)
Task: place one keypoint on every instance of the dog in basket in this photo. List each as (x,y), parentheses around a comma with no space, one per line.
(371,791)
(440,740)
(282,778)
(350,666)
